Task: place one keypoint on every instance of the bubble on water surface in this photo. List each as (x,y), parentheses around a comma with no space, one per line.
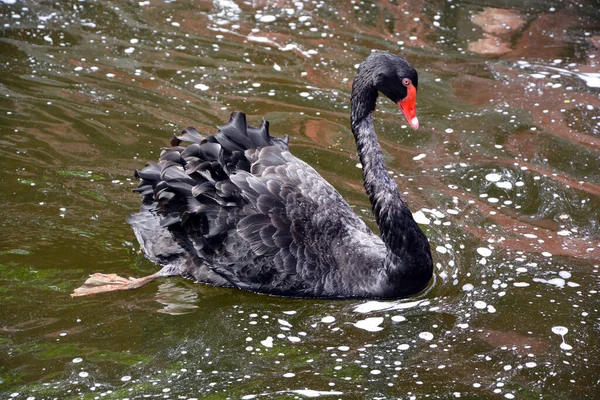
(83,374)
(426,335)
(419,157)
(201,86)
(77,360)
(328,319)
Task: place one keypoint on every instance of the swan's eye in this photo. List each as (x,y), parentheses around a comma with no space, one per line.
(406,82)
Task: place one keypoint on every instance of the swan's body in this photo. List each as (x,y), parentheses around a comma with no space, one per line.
(237,209)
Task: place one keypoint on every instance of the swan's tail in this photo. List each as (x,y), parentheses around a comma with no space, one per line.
(103,283)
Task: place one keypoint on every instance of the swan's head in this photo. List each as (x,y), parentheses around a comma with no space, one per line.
(394,77)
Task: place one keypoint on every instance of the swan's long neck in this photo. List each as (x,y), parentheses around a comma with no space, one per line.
(408,255)
(393,217)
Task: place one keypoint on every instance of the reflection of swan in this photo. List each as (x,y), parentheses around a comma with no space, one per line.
(237,209)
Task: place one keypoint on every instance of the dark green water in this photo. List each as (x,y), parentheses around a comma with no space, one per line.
(503,173)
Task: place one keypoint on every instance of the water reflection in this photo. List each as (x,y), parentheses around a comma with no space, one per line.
(503,175)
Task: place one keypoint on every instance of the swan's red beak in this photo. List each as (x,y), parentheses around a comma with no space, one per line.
(409,106)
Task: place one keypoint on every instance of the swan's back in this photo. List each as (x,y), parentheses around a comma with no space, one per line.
(238,209)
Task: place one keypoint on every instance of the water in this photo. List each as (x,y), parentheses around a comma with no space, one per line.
(503,175)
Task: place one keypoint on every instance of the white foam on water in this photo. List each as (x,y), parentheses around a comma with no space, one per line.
(268,342)
(558,282)
(316,393)
(370,306)
(328,319)
(504,185)
(591,79)
(419,157)
(267,18)
(420,218)
(370,324)
(493,177)
(560,330)
(426,336)
(484,251)
(480,305)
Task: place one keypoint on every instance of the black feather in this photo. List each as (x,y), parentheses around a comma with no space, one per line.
(240,210)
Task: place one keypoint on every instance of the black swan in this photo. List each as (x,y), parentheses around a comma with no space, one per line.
(237,209)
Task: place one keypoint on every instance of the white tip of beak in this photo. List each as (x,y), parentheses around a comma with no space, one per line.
(414,123)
